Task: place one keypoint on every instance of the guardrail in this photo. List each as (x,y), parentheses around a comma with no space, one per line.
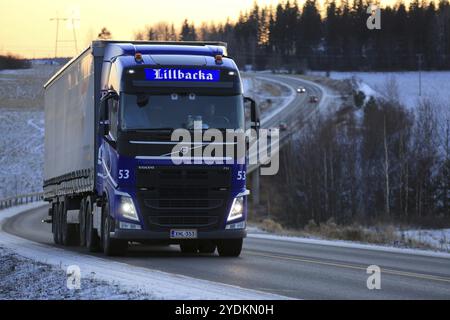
(21,199)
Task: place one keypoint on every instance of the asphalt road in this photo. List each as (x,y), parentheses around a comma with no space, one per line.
(304,271)
(298,270)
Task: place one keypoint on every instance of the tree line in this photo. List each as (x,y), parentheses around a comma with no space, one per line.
(10,61)
(382,162)
(334,37)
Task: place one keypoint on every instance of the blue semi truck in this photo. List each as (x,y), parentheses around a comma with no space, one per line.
(109,175)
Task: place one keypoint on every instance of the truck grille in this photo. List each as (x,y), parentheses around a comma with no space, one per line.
(188,196)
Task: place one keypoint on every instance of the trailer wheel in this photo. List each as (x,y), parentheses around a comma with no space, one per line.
(82,220)
(229,247)
(58,224)
(92,238)
(55,229)
(206,246)
(111,247)
(69,232)
(189,246)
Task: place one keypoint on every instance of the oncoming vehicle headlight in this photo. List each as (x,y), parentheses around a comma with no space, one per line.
(237,209)
(127,209)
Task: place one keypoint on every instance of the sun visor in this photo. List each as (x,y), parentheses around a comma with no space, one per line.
(177,60)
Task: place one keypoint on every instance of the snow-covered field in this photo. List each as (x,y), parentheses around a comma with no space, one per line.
(435,84)
(21,151)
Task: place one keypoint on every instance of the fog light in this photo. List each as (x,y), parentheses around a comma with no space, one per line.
(234,226)
(129,226)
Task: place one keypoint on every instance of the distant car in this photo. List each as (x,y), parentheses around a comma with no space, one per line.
(283,126)
(313,99)
(301,90)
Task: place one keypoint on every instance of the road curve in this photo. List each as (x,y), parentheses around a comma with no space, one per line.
(298,270)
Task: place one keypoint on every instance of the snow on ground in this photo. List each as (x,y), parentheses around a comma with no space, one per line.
(439,239)
(124,280)
(22,278)
(21,151)
(259,234)
(435,84)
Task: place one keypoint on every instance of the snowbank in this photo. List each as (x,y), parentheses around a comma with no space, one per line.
(258,234)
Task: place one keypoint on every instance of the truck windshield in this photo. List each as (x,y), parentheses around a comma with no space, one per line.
(153,112)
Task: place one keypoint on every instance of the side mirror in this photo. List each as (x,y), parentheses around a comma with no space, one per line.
(254,112)
(103,125)
(104,122)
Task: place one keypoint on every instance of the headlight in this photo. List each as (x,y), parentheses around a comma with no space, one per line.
(127,209)
(237,209)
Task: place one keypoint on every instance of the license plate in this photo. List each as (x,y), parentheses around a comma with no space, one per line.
(183,234)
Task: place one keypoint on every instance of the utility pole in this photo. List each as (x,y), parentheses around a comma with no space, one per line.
(419,63)
(57,19)
(57,40)
(74,34)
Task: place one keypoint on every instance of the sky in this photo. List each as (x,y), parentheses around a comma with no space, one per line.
(26,29)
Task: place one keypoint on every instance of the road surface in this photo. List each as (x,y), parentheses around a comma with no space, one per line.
(297,270)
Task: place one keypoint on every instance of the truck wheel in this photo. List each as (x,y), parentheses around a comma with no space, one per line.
(111,247)
(82,220)
(58,224)
(189,246)
(69,232)
(92,238)
(55,229)
(206,246)
(229,247)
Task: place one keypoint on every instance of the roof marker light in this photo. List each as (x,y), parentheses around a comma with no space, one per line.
(138,57)
(218,59)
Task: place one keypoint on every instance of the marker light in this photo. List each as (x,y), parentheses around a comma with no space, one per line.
(131,71)
(219,59)
(138,57)
(127,208)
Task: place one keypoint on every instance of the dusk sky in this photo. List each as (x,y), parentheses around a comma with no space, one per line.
(26,29)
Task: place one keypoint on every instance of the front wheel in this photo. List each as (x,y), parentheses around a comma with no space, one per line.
(230,247)
(92,238)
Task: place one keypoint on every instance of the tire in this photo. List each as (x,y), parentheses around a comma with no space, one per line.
(69,232)
(82,220)
(189,246)
(230,247)
(111,247)
(206,246)
(58,224)
(92,238)
(55,228)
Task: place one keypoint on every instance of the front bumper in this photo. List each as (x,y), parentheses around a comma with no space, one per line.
(141,235)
